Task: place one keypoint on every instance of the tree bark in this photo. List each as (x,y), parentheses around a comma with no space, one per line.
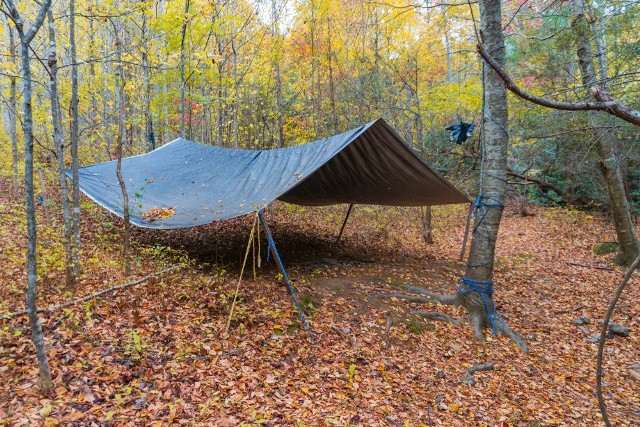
(493,181)
(58,140)
(427,230)
(146,71)
(46,382)
(183,82)
(236,82)
(120,80)
(93,94)
(604,135)
(12,115)
(276,69)
(73,137)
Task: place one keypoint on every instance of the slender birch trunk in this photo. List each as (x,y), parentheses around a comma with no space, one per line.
(183,82)
(58,140)
(332,88)
(120,81)
(236,83)
(493,182)
(12,115)
(94,95)
(73,110)
(146,71)
(37,336)
(276,70)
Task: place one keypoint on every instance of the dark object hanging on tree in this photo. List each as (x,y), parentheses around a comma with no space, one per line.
(461,131)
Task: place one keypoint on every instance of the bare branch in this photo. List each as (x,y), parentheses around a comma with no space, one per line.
(605,102)
(603,335)
(541,183)
(92,295)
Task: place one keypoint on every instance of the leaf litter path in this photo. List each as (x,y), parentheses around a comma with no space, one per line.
(152,355)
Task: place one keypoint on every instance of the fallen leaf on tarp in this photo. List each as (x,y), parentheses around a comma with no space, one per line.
(158,214)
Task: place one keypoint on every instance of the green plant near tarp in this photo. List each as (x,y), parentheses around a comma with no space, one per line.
(605,248)
(134,345)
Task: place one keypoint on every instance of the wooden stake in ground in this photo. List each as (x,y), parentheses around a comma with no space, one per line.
(43,191)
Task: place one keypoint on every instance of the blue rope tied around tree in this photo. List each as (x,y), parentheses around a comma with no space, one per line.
(483,288)
(485,291)
(276,256)
(480,203)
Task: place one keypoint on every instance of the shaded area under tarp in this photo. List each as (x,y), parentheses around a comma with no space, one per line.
(186,184)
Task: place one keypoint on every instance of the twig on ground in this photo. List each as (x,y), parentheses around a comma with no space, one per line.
(477,368)
(596,266)
(577,264)
(411,298)
(578,308)
(92,295)
(392,421)
(441,317)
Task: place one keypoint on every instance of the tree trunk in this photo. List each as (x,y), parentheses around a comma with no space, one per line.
(106,95)
(236,83)
(604,135)
(120,79)
(73,110)
(427,229)
(149,135)
(276,69)
(46,383)
(183,82)
(332,89)
(58,140)
(13,118)
(94,141)
(475,291)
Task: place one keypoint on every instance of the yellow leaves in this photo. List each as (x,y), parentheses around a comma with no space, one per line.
(9,68)
(454,407)
(46,410)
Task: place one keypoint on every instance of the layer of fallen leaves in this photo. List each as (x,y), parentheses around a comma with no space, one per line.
(154,355)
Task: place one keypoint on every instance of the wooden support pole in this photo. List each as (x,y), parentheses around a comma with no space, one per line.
(344,223)
(276,257)
(466,232)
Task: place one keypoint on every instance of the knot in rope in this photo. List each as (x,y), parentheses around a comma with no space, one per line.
(476,286)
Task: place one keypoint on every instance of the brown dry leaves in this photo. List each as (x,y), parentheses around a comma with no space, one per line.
(152,355)
(158,214)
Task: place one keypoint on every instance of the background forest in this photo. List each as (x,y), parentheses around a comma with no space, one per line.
(268,74)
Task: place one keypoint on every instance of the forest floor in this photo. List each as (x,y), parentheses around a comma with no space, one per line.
(153,354)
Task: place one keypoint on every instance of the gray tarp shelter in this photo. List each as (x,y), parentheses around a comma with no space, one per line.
(201,184)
